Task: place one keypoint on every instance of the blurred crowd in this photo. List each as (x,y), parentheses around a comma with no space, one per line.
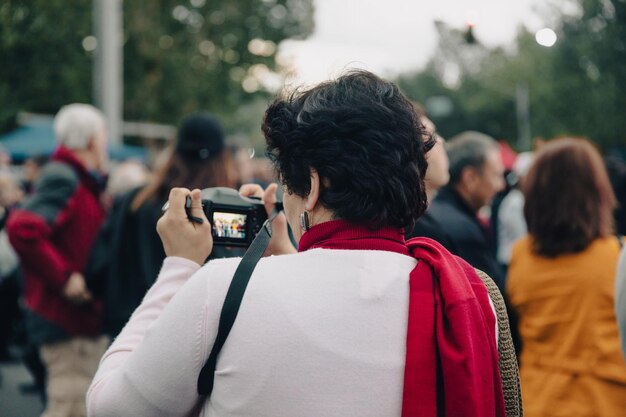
(78,241)
(79,249)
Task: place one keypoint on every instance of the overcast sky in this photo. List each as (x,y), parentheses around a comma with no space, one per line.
(393,36)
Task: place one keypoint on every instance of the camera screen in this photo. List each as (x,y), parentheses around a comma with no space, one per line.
(229,225)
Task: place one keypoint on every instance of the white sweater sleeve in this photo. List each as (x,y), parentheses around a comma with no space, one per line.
(151,369)
(620,298)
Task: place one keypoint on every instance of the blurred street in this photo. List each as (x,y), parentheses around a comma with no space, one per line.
(13,402)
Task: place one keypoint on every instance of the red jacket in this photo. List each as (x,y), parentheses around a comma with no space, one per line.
(53,233)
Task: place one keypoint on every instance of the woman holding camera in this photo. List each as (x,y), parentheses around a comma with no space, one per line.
(356,322)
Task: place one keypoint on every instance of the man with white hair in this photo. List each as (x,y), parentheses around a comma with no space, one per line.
(53,233)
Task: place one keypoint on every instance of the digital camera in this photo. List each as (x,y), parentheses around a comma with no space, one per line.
(235,220)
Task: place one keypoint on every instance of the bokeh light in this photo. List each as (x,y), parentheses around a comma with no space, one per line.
(545,37)
(90,43)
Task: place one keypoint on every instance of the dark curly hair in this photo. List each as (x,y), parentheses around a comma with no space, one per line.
(363,137)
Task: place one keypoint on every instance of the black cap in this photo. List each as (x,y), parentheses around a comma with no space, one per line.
(200,135)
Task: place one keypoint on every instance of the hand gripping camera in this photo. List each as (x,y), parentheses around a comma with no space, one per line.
(235,220)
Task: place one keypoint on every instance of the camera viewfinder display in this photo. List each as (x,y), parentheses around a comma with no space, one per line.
(229,225)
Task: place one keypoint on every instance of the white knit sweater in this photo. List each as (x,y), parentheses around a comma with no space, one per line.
(319,333)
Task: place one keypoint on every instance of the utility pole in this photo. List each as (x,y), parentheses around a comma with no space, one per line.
(107,73)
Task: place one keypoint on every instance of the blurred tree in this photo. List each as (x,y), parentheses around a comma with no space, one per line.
(468,76)
(577,87)
(179,56)
(213,55)
(589,73)
(43,62)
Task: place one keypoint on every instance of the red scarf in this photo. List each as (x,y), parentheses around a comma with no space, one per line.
(451,366)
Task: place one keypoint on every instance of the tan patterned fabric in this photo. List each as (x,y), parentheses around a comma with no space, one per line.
(509,370)
(70,364)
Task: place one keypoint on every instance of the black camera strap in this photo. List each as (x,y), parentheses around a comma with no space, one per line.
(232,302)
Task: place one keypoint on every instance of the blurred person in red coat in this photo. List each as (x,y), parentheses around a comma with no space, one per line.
(53,232)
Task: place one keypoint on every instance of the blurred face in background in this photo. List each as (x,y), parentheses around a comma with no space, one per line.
(483,184)
(10,192)
(30,171)
(437,174)
(5,159)
(126,176)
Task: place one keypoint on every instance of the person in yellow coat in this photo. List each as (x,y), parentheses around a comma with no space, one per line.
(561,286)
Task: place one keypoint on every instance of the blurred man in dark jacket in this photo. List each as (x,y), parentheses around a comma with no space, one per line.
(476,175)
(53,233)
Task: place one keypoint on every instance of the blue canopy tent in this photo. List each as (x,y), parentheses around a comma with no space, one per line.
(37,138)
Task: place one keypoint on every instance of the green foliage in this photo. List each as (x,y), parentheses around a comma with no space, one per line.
(577,87)
(179,56)
(43,63)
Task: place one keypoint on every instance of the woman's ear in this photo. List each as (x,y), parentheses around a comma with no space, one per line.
(310,200)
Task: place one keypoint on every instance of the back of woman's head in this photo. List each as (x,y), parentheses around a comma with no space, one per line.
(364,139)
(198,159)
(569,201)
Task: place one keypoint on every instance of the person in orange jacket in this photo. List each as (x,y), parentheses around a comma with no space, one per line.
(561,285)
